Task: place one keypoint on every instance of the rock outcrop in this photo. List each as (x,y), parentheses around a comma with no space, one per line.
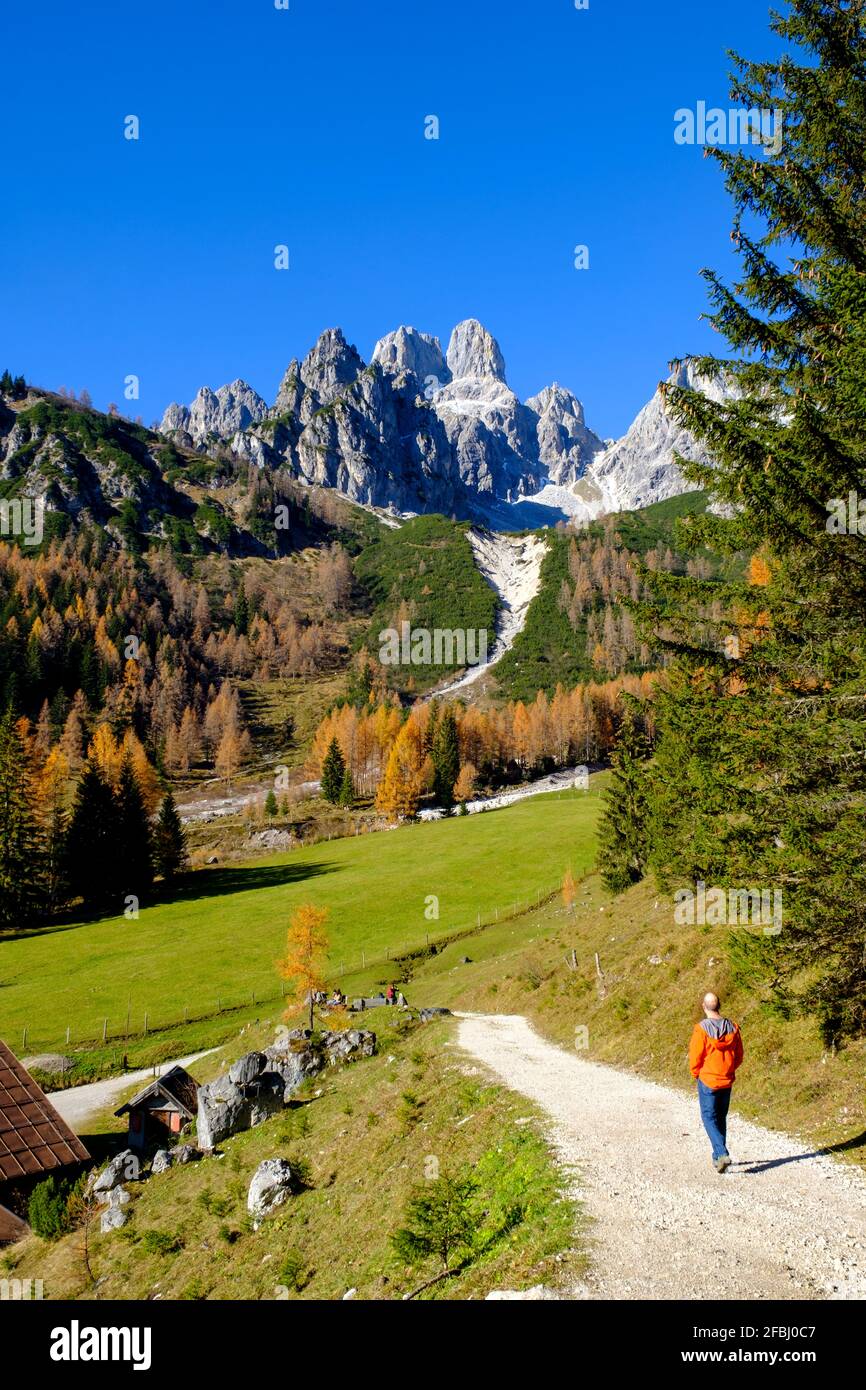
(259,1083)
(215,414)
(273,1183)
(124,1167)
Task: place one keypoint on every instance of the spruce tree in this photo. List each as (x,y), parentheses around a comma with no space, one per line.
(169,841)
(271,807)
(623,836)
(333,770)
(445,753)
(133,834)
(347,790)
(20,840)
(92,841)
(760,774)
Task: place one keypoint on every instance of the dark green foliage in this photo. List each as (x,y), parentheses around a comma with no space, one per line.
(169,840)
(578,627)
(295,1272)
(133,836)
(424,573)
(761,771)
(20,840)
(445,752)
(93,870)
(160,1243)
(271,807)
(347,790)
(333,771)
(439,1221)
(623,836)
(48,1209)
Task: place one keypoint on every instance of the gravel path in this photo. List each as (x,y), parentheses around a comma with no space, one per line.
(79,1104)
(783,1222)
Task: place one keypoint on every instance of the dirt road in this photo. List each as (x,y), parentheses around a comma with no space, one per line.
(783,1222)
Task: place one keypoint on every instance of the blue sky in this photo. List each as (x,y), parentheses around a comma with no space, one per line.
(306,127)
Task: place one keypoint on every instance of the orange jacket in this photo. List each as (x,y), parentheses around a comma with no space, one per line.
(715,1060)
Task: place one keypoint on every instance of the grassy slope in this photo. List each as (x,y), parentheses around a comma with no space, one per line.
(428,564)
(365,1146)
(220,936)
(549,650)
(789,1081)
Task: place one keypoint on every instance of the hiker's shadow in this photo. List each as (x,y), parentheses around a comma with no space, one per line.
(761,1165)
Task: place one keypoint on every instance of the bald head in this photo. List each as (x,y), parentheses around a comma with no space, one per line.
(711,1003)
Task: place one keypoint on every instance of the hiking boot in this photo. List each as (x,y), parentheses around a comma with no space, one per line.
(722,1162)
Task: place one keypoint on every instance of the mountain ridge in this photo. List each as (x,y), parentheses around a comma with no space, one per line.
(421,430)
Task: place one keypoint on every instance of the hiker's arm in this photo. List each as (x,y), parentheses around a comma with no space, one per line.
(697,1050)
(738,1048)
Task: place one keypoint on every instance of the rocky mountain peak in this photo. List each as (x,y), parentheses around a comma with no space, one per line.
(407,350)
(473,351)
(222,412)
(331,365)
(557,401)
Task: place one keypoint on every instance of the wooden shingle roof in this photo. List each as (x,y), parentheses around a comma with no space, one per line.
(176,1085)
(33,1137)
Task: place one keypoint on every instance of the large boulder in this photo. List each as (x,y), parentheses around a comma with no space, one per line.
(247,1068)
(124,1167)
(294,1058)
(226,1107)
(349,1045)
(426,1015)
(162,1160)
(272,1184)
(113,1217)
(258,1084)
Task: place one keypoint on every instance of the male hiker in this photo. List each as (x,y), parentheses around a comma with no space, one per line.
(715,1052)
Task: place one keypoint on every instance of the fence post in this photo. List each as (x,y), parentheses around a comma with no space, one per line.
(145,1023)
(104,1029)
(24,1040)
(67,1035)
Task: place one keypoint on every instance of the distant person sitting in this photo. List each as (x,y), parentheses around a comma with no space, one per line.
(715,1052)
(389,995)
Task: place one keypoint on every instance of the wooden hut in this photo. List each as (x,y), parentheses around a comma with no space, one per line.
(161,1109)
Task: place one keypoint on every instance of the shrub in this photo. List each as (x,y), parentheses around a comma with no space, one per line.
(161,1243)
(295,1273)
(48,1209)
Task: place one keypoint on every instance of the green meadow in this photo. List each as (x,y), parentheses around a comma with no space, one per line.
(215,942)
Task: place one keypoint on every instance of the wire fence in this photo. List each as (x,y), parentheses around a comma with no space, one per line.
(133,1024)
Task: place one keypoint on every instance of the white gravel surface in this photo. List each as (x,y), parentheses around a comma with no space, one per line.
(783,1222)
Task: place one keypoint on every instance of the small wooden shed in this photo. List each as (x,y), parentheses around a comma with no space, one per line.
(162,1108)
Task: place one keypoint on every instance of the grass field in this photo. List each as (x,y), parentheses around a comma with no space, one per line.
(218,938)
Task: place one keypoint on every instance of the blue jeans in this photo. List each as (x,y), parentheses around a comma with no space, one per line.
(714,1113)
